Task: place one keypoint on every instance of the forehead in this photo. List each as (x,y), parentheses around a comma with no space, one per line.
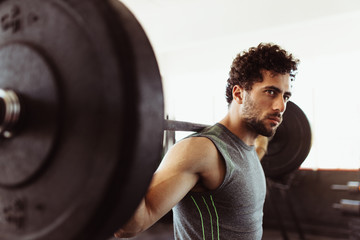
(281,81)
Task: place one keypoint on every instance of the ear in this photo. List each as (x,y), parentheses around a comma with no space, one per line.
(238,94)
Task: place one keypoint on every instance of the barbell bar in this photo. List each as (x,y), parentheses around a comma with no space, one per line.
(173,125)
(286,153)
(10,109)
(82,119)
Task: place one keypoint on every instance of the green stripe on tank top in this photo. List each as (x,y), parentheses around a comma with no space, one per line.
(217,217)
(211,225)
(202,222)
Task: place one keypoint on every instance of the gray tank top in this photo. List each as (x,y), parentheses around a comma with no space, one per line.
(235,209)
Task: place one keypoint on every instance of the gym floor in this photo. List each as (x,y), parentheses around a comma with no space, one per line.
(164,231)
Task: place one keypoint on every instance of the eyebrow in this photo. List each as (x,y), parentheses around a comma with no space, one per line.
(276,89)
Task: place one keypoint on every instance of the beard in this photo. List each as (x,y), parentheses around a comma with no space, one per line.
(260,128)
(251,116)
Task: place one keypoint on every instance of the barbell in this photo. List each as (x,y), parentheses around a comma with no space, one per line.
(82,119)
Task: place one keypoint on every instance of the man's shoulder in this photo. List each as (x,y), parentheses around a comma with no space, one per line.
(197,143)
(193,151)
(202,156)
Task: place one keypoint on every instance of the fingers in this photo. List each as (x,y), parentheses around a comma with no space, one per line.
(119,234)
(122,234)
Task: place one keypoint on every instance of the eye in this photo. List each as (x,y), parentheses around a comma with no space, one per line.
(286,98)
(270,92)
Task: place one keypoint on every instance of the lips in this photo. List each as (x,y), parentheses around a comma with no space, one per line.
(275,120)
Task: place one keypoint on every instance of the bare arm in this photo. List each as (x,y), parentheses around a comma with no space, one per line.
(178,173)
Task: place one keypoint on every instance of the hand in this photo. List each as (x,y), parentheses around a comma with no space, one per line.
(135,224)
(261,144)
(121,233)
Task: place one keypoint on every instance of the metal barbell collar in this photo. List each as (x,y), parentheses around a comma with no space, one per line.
(10,112)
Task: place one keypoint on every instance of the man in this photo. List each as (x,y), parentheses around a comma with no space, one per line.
(213,180)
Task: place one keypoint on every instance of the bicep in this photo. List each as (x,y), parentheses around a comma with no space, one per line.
(178,173)
(175,177)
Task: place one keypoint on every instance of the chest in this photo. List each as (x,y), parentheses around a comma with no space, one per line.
(244,181)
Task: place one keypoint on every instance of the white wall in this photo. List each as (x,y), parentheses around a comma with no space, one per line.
(196,40)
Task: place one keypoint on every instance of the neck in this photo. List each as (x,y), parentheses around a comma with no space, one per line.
(239,128)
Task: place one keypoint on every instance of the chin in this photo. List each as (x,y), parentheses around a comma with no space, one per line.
(270,133)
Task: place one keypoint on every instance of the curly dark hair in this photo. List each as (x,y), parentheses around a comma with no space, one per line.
(247,66)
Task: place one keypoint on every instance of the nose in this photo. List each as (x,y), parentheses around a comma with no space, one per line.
(280,104)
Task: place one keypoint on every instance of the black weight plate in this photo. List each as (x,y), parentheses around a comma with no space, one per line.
(290,145)
(90,97)
(143,134)
(23,155)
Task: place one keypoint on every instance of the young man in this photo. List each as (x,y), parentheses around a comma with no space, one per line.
(213,180)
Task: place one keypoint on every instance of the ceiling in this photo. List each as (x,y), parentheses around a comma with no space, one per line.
(176,24)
